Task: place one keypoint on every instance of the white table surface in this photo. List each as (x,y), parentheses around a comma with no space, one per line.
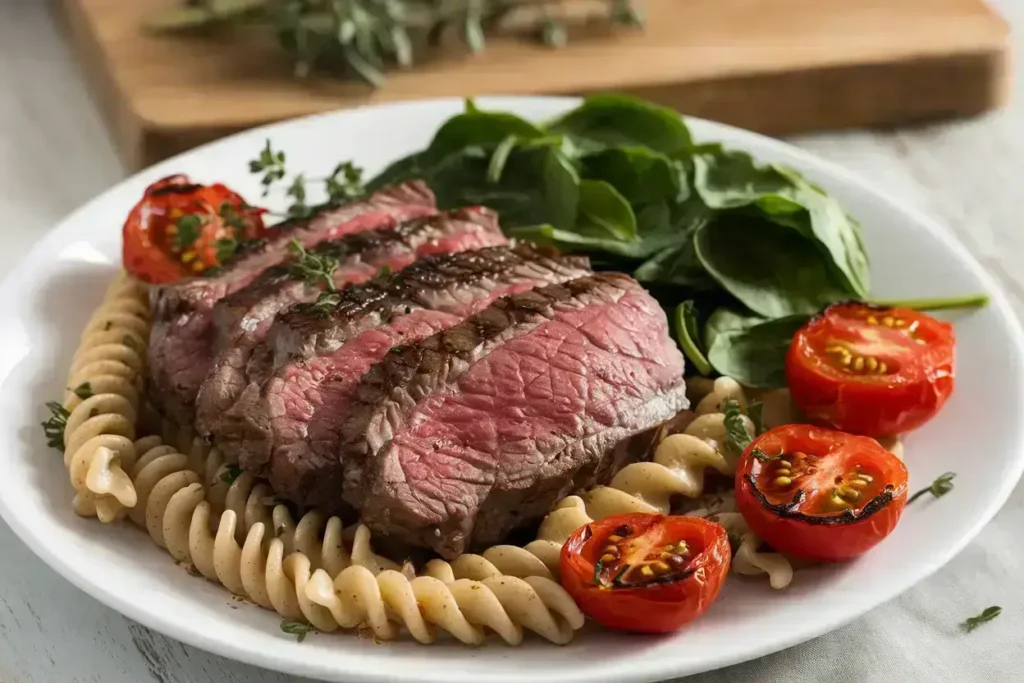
(55,154)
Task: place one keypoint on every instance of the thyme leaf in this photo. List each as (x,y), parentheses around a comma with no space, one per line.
(312,267)
(988,614)
(83,391)
(348,186)
(230,474)
(298,629)
(270,164)
(53,428)
(187,229)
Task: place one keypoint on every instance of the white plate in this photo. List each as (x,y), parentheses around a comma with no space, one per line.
(45,302)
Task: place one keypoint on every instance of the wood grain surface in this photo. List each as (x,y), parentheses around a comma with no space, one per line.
(777,66)
(55,154)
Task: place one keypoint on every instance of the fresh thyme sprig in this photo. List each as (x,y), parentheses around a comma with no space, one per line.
(942,485)
(343,185)
(53,428)
(312,267)
(364,38)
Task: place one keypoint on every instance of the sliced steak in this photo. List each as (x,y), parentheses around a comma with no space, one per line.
(288,428)
(243,319)
(181,342)
(453,442)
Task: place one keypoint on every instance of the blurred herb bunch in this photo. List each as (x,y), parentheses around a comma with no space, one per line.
(364,38)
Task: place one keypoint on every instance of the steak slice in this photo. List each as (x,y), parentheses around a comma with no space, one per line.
(181,341)
(243,319)
(455,441)
(289,428)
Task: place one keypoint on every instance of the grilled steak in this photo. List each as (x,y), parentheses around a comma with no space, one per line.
(181,341)
(456,440)
(243,319)
(288,428)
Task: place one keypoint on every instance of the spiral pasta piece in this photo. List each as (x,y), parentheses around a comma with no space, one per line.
(102,399)
(223,523)
(677,469)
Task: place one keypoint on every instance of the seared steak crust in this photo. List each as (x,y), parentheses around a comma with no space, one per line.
(456,440)
(288,428)
(180,351)
(243,319)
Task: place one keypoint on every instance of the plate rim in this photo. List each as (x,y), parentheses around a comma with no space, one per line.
(640,672)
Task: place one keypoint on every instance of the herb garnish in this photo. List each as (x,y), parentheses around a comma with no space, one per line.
(988,614)
(187,229)
(761,456)
(83,391)
(53,428)
(297,191)
(230,474)
(270,164)
(942,485)
(348,187)
(322,307)
(363,38)
(298,629)
(312,267)
(736,434)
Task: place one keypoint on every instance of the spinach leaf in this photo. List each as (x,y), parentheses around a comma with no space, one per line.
(476,128)
(688,336)
(755,355)
(603,212)
(726,320)
(604,121)
(640,175)
(771,269)
(728,179)
(572,241)
(676,266)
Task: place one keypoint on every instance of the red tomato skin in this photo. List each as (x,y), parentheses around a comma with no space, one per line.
(657,608)
(869,406)
(145,253)
(821,542)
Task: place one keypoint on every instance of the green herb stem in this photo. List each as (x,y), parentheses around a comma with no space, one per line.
(978,300)
(942,485)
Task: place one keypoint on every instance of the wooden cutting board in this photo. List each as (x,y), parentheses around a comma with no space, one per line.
(776,66)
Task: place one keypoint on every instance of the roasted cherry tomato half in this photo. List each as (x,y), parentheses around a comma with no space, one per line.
(645,573)
(820,494)
(180,228)
(870,370)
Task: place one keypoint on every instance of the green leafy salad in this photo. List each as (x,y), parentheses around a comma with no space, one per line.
(740,254)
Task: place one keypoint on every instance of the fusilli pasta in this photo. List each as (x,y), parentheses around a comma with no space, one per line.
(306,571)
(677,468)
(102,399)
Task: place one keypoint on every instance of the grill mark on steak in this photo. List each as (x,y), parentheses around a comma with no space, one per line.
(288,429)
(243,319)
(457,440)
(180,351)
